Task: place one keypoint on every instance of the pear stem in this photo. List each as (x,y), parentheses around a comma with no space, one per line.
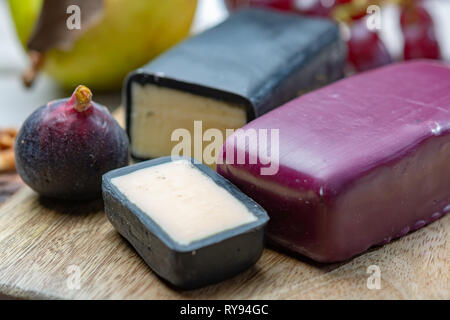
(81,98)
(37,61)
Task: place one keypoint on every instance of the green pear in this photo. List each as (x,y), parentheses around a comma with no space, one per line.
(130,34)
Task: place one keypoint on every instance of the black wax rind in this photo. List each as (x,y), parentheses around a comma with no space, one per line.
(257,58)
(200,263)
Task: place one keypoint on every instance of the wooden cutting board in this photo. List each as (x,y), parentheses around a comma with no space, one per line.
(51,249)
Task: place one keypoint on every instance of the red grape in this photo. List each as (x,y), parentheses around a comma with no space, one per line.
(314,7)
(275,4)
(365,48)
(418,30)
(307,7)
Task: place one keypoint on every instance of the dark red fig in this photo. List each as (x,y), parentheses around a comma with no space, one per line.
(64,148)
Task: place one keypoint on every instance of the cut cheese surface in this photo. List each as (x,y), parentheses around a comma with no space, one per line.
(183,201)
(158,111)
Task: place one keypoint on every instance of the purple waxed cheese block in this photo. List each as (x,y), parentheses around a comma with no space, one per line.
(361,161)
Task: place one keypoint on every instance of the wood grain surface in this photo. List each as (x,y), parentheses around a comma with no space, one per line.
(41,241)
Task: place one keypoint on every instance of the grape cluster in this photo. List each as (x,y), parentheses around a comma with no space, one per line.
(366,49)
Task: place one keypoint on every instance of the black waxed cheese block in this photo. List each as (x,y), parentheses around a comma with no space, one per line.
(257,59)
(201,262)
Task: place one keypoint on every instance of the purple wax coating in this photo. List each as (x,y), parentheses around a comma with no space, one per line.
(361,161)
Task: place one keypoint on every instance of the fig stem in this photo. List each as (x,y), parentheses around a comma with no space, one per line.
(81,98)
(37,61)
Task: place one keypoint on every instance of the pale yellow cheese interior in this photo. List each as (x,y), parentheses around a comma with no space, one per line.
(183,201)
(158,111)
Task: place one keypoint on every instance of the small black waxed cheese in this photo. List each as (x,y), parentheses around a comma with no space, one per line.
(188,223)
